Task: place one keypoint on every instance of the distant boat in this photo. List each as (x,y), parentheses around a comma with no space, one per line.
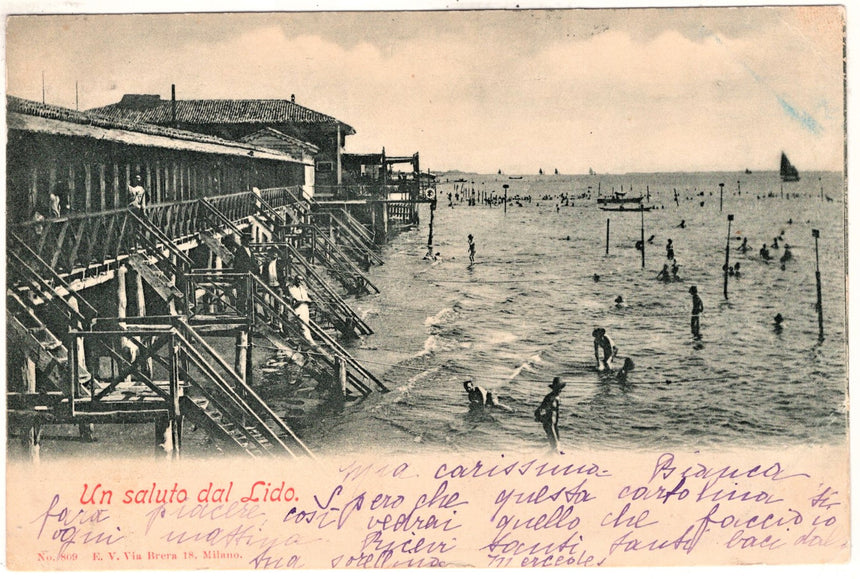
(556,171)
(626,208)
(787,171)
(515,177)
(618,197)
(747,172)
(591,171)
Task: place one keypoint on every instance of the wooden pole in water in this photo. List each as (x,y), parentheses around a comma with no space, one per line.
(818,289)
(726,265)
(721,196)
(642,232)
(607,236)
(430,234)
(505,186)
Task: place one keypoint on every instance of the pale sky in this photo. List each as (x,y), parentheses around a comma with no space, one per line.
(615,90)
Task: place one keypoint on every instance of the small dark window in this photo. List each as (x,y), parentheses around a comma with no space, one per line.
(325,166)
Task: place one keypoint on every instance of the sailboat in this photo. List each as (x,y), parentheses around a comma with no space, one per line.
(787,171)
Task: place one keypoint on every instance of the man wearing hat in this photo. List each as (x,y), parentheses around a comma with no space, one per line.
(547,413)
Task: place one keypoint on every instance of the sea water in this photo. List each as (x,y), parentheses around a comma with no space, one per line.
(525,311)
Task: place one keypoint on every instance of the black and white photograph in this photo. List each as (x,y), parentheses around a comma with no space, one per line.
(561,234)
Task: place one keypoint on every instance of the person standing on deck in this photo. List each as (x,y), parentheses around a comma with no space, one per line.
(243,262)
(547,413)
(698,308)
(53,205)
(471,250)
(137,194)
(300,301)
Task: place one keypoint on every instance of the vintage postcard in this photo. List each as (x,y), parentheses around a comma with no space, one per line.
(498,288)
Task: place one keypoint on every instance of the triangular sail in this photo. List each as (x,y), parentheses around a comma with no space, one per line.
(787,171)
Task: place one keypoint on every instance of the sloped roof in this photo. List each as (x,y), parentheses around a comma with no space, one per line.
(93,125)
(147,109)
(293,144)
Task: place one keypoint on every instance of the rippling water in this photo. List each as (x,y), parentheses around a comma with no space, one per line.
(524,313)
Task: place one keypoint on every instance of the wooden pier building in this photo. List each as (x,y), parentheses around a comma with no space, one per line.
(117,313)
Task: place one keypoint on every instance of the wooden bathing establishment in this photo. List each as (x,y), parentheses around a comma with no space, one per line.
(119,314)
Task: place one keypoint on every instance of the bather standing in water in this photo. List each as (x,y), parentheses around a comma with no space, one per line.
(603,343)
(471,250)
(698,308)
(547,413)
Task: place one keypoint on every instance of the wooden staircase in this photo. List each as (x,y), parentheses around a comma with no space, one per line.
(27,332)
(328,308)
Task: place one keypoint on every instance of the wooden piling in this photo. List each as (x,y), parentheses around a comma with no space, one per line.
(818,305)
(607,236)
(642,232)
(726,265)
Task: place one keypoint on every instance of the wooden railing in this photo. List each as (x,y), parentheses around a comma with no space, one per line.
(73,242)
(177,220)
(27,270)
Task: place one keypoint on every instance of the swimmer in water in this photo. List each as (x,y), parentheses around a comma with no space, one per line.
(743,248)
(625,370)
(480,398)
(764,253)
(664,274)
(777,323)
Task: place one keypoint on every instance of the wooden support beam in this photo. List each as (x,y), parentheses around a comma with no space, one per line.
(31,432)
(102,188)
(88,187)
(157,194)
(34,192)
(116,198)
(71,199)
